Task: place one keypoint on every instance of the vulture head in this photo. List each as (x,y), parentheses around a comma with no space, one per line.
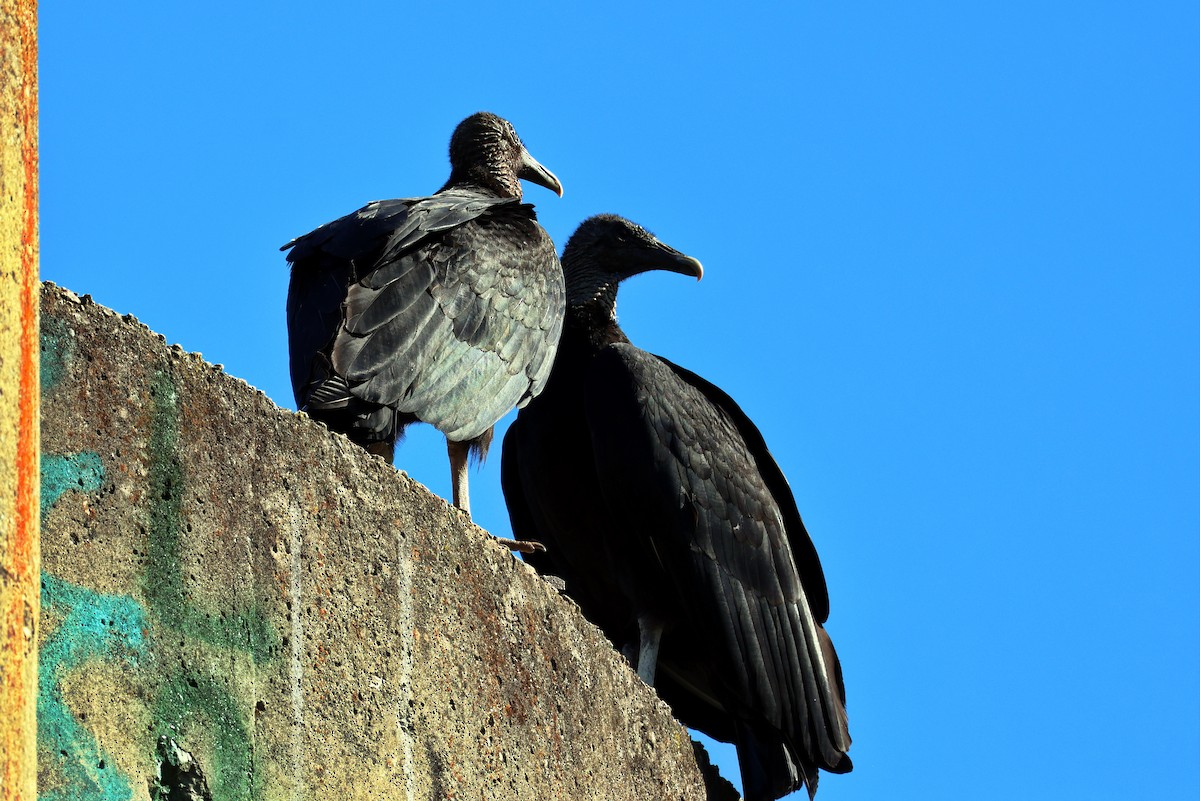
(486,150)
(607,249)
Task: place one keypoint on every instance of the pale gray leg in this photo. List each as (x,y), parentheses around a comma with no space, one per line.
(650,633)
(458,487)
(458,474)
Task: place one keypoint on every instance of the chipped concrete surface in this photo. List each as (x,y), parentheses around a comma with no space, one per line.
(298,617)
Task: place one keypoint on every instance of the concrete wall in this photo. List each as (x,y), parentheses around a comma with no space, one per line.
(238,604)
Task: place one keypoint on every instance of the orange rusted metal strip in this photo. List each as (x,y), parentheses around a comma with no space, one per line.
(19,401)
(28,449)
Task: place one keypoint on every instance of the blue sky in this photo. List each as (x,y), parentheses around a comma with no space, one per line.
(952,260)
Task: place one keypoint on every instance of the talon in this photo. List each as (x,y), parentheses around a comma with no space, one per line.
(524,546)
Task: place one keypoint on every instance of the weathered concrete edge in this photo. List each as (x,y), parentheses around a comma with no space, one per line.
(460,546)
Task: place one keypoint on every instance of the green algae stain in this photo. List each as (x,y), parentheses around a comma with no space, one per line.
(246,630)
(94,627)
(193,708)
(190,707)
(57,348)
(62,473)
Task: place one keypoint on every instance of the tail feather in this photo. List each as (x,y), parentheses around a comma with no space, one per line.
(771,768)
(768,768)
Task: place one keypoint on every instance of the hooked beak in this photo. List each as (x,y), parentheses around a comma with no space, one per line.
(537,174)
(670,259)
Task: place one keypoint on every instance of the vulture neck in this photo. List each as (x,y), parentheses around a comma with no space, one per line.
(491,179)
(592,323)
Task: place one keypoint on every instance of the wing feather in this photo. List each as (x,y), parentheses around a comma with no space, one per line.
(693,479)
(450,307)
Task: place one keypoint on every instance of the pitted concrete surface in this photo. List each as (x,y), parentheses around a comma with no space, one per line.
(233,595)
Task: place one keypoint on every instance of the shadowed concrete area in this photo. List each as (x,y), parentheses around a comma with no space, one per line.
(237,603)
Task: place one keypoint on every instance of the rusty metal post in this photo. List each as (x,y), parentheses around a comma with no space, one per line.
(19,400)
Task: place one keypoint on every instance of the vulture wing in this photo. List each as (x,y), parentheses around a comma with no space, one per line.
(447,316)
(699,500)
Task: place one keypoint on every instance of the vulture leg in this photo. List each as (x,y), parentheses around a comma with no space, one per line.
(458,474)
(458,478)
(650,634)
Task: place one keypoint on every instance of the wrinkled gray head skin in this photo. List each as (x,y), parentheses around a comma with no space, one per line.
(486,150)
(607,249)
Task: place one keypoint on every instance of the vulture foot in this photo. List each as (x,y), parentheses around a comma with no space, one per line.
(524,546)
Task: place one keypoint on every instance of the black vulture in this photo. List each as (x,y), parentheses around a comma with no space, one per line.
(675,530)
(443,309)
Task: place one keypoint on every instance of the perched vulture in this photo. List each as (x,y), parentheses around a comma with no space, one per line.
(675,530)
(444,309)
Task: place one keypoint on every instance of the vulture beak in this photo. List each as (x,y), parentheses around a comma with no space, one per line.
(665,257)
(535,173)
